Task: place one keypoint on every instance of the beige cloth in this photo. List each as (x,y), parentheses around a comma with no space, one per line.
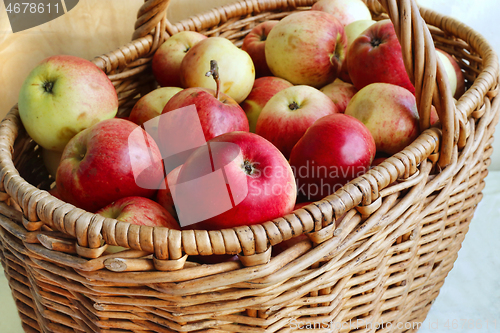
(92,28)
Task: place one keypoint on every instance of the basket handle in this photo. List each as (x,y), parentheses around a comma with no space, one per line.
(421,62)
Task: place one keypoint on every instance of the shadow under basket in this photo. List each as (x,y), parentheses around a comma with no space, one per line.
(376,253)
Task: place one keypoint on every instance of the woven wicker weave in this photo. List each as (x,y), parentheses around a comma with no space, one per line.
(378,251)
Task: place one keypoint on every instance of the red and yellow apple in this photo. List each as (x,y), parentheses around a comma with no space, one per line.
(306,48)
(62,96)
(263,89)
(139,211)
(375,56)
(109,161)
(390,113)
(340,93)
(151,105)
(289,113)
(254,44)
(166,63)
(346,11)
(237,72)
(455,75)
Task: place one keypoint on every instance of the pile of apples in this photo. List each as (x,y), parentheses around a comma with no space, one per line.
(234,136)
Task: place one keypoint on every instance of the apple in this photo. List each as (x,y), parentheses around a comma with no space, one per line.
(238,178)
(62,96)
(454,72)
(254,44)
(289,113)
(346,11)
(390,113)
(352,31)
(306,48)
(375,56)
(140,211)
(340,93)
(334,150)
(151,105)
(166,63)
(164,196)
(54,192)
(111,160)
(237,71)
(263,89)
(51,159)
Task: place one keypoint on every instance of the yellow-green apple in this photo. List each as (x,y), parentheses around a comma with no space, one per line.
(289,113)
(237,71)
(238,178)
(151,105)
(111,160)
(346,11)
(455,75)
(254,44)
(166,63)
(306,48)
(51,159)
(352,31)
(334,150)
(263,89)
(375,56)
(164,196)
(62,96)
(139,211)
(340,93)
(390,113)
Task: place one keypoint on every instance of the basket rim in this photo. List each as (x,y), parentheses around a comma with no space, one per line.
(399,166)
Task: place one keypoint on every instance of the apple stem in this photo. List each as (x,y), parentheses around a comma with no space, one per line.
(214,72)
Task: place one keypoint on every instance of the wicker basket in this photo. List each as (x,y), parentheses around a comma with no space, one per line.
(378,250)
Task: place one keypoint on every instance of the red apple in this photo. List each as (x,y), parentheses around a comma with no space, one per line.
(238,178)
(454,72)
(263,89)
(289,113)
(151,105)
(340,93)
(334,150)
(164,196)
(54,192)
(389,112)
(167,60)
(140,211)
(346,11)
(375,56)
(307,48)
(109,161)
(254,44)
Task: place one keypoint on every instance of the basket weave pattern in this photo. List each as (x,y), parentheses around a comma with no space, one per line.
(378,251)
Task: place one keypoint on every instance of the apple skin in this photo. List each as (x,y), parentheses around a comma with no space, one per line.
(389,112)
(375,56)
(164,196)
(340,93)
(346,11)
(96,166)
(263,89)
(334,150)
(151,105)
(166,63)
(236,68)
(252,164)
(139,211)
(455,75)
(352,31)
(254,44)
(289,113)
(217,116)
(62,96)
(306,48)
